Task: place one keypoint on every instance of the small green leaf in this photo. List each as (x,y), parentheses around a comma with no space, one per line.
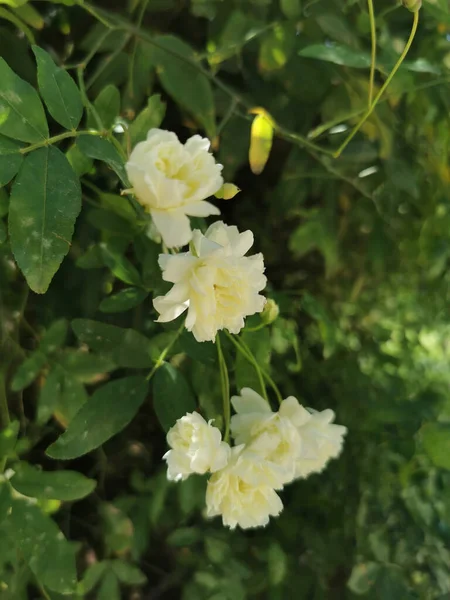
(126,347)
(45,202)
(57,485)
(120,266)
(71,398)
(337,54)
(436,441)
(49,396)
(22,115)
(54,337)
(172,396)
(59,91)
(79,162)
(28,371)
(107,105)
(109,589)
(101,149)
(92,576)
(128,574)
(10,159)
(43,546)
(107,412)
(123,300)
(151,117)
(183,81)
(205,352)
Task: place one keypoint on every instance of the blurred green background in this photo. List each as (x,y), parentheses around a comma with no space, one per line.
(356,251)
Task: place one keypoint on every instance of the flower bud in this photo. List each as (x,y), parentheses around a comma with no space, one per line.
(270,312)
(412,5)
(227,191)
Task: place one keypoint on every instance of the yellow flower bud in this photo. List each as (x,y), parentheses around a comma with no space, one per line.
(227,191)
(270,312)
(412,5)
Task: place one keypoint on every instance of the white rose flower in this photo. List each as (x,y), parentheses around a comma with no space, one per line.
(316,441)
(214,282)
(322,440)
(240,502)
(271,436)
(171,180)
(196,447)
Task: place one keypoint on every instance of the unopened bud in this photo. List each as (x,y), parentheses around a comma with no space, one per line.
(227,191)
(412,5)
(270,312)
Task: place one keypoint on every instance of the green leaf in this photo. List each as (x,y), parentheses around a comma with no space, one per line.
(59,91)
(120,266)
(205,352)
(85,366)
(22,115)
(30,15)
(277,564)
(109,589)
(337,54)
(101,149)
(107,412)
(151,117)
(126,573)
(71,398)
(172,396)
(45,202)
(123,300)
(54,337)
(291,8)
(43,546)
(185,536)
(126,347)
(4,202)
(57,485)
(8,439)
(5,500)
(28,371)
(191,89)
(10,159)
(79,162)
(363,577)
(107,105)
(49,396)
(436,442)
(92,576)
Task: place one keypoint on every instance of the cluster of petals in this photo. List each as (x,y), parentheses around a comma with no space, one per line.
(214,281)
(171,181)
(272,449)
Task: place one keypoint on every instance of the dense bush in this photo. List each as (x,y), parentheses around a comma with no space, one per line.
(356,249)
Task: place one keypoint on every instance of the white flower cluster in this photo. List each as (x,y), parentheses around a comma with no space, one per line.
(272,449)
(218,285)
(214,281)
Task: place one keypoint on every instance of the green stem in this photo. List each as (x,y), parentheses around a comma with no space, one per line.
(4,414)
(397,65)
(225,386)
(246,353)
(266,375)
(58,138)
(164,353)
(373,39)
(133,54)
(89,106)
